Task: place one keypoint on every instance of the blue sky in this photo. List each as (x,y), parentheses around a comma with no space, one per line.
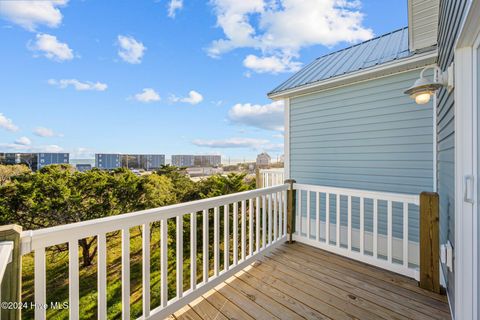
(171,77)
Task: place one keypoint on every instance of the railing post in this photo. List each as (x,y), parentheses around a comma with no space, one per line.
(290,210)
(429,242)
(12,280)
(258,178)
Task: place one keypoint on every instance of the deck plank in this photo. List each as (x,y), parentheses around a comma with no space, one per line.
(393,279)
(360,307)
(269,304)
(226,307)
(416,294)
(186,313)
(246,304)
(206,311)
(363,282)
(396,303)
(296,281)
(296,306)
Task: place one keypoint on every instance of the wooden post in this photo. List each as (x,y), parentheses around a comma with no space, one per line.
(429,242)
(11,290)
(258,178)
(290,210)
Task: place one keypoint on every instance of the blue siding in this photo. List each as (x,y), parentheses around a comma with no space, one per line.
(366,136)
(450,17)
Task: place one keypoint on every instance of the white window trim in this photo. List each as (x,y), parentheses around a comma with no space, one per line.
(466,126)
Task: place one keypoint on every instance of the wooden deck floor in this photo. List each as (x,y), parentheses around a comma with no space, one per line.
(297,281)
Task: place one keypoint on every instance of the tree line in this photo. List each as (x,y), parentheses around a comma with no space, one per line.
(59,194)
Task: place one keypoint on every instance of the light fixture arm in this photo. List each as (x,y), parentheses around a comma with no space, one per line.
(445,78)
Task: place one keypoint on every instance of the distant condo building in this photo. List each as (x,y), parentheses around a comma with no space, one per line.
(146,162)
(196,160)
(107,161)
(35,161)
(183,160)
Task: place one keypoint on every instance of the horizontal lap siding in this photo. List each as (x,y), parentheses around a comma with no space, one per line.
(366,136)
(450,18)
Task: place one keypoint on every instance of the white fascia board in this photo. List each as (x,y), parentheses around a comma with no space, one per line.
(413,62)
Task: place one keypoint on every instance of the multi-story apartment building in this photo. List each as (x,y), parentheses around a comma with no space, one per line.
(35,161)
(196,160)
(143,161)
(107,161)
(132,161)
(48,158)
(207,160)
(183,160)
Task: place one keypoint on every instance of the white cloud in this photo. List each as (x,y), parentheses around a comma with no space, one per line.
(232,143)
(78,85)
(245,143)
(30,148)
(173,7)
(51,48)
(46,132)
(24,141)
(272,64)
(267,116)
(7,124)
(131,50)
(29,13)
(280,29)
(147,95)
(194,97)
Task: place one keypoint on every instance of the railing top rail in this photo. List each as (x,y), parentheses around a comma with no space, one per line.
(395,197)
(79,230)
(6,249)
(272,170)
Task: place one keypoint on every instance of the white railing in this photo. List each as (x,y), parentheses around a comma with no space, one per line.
(258,217)
(272,177)
(377,228)
(6,250)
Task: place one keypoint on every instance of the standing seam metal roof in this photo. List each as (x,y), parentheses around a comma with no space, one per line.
(373,52)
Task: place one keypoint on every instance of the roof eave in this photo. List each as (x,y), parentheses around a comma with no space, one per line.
(400,65)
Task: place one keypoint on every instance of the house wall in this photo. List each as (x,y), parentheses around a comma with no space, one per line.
(369,136)
(450,17)
(423,23)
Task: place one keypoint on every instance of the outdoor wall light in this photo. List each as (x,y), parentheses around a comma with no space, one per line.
(423,89)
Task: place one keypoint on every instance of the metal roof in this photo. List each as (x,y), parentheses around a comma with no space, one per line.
(373,52)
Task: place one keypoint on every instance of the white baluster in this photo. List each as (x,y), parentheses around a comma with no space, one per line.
(73,279)
(405,234)
(179,250)
(193,250)
(40,284)
(269,210)
(226,236)
(257,222)
(244,229)
(317,224)
(125,274)
(102,276)
(308,214)
(164,261)
(216,239)
(250,227)
(338,220)
(327,218)
(362,225)
(205,246)
(389,232)
(349,227)
(375,227)
(146,269)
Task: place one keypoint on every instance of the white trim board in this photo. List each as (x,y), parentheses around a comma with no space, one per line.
(397,66)
(466,160)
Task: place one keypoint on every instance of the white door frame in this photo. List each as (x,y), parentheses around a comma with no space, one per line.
(466,171)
